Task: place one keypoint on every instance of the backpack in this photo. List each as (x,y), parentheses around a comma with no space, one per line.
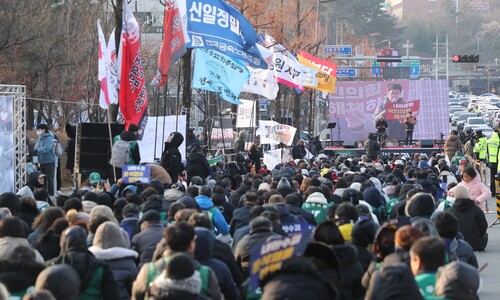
(58,149)
(121,153)
(158,294)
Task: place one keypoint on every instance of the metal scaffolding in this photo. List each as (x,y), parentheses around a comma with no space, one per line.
(18,94)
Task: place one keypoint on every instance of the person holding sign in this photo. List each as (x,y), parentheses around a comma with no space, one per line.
(410,122)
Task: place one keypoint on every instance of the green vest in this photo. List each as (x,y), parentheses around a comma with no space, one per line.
(426,283)
(480,148)
(93,290)
(492,147)
(318,210)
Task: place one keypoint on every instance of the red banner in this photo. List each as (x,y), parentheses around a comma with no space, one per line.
(133,94)
(398,111)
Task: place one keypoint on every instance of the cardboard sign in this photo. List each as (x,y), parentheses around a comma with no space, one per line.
(134,173)
(268,257)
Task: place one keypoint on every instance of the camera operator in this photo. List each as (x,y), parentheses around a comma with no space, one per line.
(372,146)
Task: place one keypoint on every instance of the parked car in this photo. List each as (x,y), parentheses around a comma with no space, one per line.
(475,121)
(453,101)
(455,116)
(454,109)
(494,101)
(464,101)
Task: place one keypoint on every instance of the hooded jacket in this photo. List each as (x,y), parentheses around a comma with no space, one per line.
(171,157)
(197,165)
(244,248)
(19,275)
(204,255)
(45,149)
(393,282)
(317,204)
(96,279)
(471,222)
(216,216)
(457,280)
(477,191)
(351,270)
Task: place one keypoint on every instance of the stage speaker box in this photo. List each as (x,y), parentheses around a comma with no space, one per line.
(93,149)
(350,144)
(426,144)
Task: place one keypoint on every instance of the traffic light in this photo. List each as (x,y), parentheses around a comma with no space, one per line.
(468,58)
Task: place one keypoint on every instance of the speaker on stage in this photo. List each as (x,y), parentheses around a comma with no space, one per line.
(426,144)
(350,144)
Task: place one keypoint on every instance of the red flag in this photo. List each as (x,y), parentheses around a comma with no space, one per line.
(174,40)
(133,94)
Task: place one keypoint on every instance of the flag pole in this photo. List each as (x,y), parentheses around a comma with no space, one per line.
(222,128)
(156,124)
(111,141)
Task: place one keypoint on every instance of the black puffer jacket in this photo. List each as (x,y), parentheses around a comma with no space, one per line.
(19,275)
(197,165)
(471,222)
(352,272)
(171,157)
(393,282)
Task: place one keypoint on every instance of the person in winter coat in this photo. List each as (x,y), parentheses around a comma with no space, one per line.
(372,147)
(151,232)
(260,232)
(452,145)
(204,255)
(111,245)
(62,281)
(43,222)
(317,204)
(13,234)
(362,235)
(171,157)
(299,150)
(240,142)
(255,154)
(197,164)
(48,243)
(457,280)
(130,136)
(477,190)
(216,217)
(19,270)
(419,206)
(97,281)
(393,281)
(446,176)
(46,156)
(297,279)
(471,220)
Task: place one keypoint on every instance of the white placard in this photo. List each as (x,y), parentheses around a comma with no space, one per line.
(272,132)
(245,117)
(147,145)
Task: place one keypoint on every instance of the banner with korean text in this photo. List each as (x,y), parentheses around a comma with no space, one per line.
(356,106)
(245,116)
(273,133)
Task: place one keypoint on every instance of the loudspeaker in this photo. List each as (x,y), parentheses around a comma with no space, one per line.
(426,144)
(93,148)
(350,144)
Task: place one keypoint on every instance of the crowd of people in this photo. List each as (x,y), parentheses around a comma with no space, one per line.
(381,227)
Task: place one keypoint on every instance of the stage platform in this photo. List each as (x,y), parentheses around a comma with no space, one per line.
(401,150)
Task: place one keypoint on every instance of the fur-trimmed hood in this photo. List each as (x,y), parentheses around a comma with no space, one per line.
(113,253)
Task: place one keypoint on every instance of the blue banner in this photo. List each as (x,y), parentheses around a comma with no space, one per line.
(214,24)
(134,173)
(290,228)
(216,72)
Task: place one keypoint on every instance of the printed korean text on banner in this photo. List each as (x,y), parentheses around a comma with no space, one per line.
(174,39)
(269,257)
(297,227)
(272,132)
(216,25)
(133,94)
(222,126)
(272,158)
(112,70)
(398,111)
(356,106)
(102,51)
(134,173)
(245,116)
(261,82)
(7,149)
(216,72)
(327,71)
(288,71)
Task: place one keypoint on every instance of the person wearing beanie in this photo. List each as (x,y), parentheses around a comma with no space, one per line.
(471,219)
(317,204)
(129,136)
(283,183)
(111,245)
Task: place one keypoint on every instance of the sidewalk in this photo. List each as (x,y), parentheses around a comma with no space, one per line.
(491,257)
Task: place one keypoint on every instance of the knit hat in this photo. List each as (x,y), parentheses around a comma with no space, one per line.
(197,180)
(264,186)
(105,211)
(283,183)
(88,206)
(179,275)
(363,233)
(109,235)
(150,216)
(460,192)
